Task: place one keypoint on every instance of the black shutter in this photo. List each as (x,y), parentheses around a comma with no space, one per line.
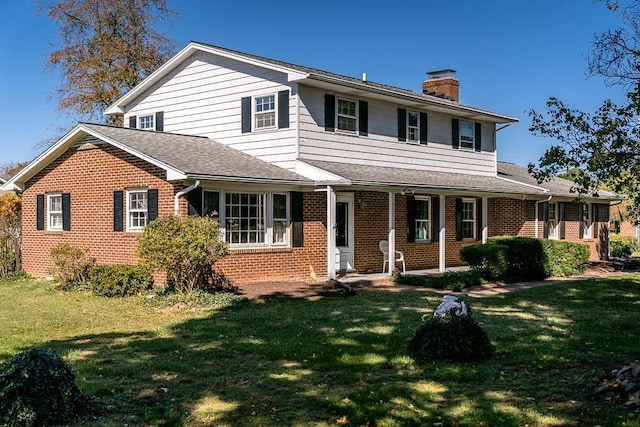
(118,224)
(283,109)
(152,204)
(297,218)
(160,121)
(329,112)
(133,122)
(561,225)
(458,219)
(40,212)
(411,219)
(402,124)
(363,119)
(66,211)
(477,135)
(435,219)
(479,219)
(423,128)
(545,220)
(455,133)
(594,220)
(194,202)
(246,114)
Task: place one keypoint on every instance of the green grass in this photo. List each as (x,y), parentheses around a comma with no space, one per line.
(335,361)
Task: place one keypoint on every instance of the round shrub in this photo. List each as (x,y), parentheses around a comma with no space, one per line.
(37,388)
(119,280)
(451,336)
(621,246)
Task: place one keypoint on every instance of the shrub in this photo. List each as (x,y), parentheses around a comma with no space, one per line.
(526,257)
(456,280)
(10,235)
(119,280)
(622,247)
(184,248)
(71,265)
(564,258)
(451,337)
(491,261)
(38,388)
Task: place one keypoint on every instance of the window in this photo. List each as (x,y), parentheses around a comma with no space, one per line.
(54,210)
(347,115)
(244,218)
(211,204)
(146,122)
(279,212)
(423,219)
(466,134)
(413,129)
(553,221)
(587,223)
(265,111)
(137,211)
(468,219)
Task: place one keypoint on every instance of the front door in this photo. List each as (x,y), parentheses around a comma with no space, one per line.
(344,232)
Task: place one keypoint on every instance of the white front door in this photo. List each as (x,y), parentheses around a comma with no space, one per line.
(344,232)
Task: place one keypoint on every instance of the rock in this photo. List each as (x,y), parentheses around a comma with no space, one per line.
(624,385)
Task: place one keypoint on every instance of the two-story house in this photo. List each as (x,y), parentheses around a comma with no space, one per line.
(305,170)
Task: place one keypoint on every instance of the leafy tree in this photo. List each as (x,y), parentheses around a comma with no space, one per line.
(106,48)
(8,170)
(603,146)
(10,235)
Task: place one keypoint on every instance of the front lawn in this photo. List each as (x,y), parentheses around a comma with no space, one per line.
(335,361)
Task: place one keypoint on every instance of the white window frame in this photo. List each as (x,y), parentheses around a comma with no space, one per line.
(472,220)
(284,220)
(271,112)
(146,122)
(415,130)
(131,212)
(587,221)
(54,215)
(425,223)
(552,222)
(355,117)
(465,143)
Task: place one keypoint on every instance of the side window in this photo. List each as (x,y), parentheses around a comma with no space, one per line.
(423,219)
(137,210)
(468,219)
(146,122)
(264,112)
(54,212)
(279,219)
(467,135)
(347,118)
(413,127)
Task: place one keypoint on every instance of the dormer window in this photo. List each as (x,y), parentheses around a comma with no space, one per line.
(265,111)
(146,122)
(347,115)
(153,121)
(466,135)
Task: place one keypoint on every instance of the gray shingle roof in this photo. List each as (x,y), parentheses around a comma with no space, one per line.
(386,176)
(556,186)
(197,156)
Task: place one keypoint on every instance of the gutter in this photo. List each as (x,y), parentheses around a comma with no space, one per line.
(176,199)
(537,210)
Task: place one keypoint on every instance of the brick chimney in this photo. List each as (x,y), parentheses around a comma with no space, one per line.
(443,84)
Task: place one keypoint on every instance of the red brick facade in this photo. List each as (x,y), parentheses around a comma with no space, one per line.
(91,173)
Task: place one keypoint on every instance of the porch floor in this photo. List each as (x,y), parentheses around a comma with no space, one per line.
(382,277)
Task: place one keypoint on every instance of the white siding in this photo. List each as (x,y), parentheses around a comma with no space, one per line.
(382,148)
(203,97)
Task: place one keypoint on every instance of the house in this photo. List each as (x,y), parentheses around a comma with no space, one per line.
(304,169)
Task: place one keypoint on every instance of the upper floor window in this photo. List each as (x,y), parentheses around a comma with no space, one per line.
(347,115)
(137,210)
(423,219)
(54,209)
(413,127)
(265,111)
(587,222)
(467,135)
(468,219)
(146,122)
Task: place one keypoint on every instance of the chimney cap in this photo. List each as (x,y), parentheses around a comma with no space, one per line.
(439,74)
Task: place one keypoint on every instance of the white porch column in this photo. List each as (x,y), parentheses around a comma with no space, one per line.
(331,233)
(392,232)
(442,233)
(485,219)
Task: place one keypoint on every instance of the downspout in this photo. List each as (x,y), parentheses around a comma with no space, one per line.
(176,199)
(537,214)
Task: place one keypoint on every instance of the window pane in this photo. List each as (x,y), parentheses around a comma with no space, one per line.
(211,204)
(466,134)
(347,123)
(279,231)
(412,119)
(279,206)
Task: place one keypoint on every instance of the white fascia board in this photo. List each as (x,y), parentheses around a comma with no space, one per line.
(316,174)
(118,106)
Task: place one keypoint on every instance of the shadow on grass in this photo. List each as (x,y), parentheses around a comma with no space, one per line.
(344,362)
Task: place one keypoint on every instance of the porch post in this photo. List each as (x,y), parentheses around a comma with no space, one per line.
(392,231)
(331,233)
(442,235)
(485,220)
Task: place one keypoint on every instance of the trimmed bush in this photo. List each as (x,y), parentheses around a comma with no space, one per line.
(526,257)
(564,258)
(37,388)
(456,280)
(71,265)
(119,280)
(451,337)
(491,261)
(622,247)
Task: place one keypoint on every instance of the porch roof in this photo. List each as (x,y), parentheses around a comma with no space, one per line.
(382,176)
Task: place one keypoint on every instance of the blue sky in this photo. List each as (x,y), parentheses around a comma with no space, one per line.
(510,56)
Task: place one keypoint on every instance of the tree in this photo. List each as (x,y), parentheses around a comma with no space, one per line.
(602,145)
(10,235)
(106,48)
(8,170)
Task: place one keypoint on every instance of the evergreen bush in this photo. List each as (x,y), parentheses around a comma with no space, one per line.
(119,280)
(71,265)
(622,247)
(491,261)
